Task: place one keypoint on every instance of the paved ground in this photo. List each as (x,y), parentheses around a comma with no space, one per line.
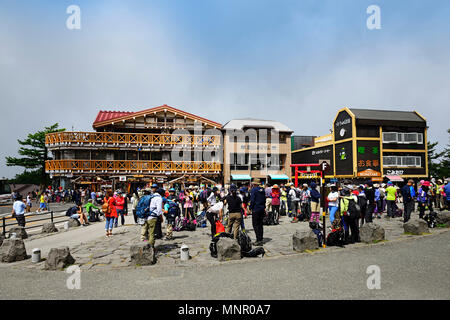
(413,268)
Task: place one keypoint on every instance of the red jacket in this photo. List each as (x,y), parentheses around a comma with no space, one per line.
(112,205)
(120,201)
(275,198)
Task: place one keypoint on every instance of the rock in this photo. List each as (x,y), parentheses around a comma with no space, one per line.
(20,232)
(416,227)
(59,258)
(443,218)
(304,240)
(371,232)
(142,254)
(74,223)
(13,250)
(228,249)
(49,227)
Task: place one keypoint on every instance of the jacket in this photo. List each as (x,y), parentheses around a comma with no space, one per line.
(257,199)
(112,205)
(315,195)
(406,194)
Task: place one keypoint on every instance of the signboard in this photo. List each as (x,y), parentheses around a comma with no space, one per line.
(343,126)
(69,175)
(315,155)
(368,158)
(325,166)
(344,158)
(122,178)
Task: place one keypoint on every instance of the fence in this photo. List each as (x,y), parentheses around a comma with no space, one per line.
(51,217)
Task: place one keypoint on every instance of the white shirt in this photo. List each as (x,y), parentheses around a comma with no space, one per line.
(333,195)
(155,207)
(19,207)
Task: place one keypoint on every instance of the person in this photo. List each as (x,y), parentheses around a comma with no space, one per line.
(214,209)
(408,194)
(189,204)
(275,196)
(422,198)
(29,202)
(76,212)
(294,196)
(349,214)
(257,206)
(378,201)
(370,197)
(362,202)
(235,206)
(305,201)
(440,195)
(284,202)
(268,192)
(391,197)
(134,203)
(109,210)
(120,201)
(171,211)
(148,229)
(333,202)
(89,209)
(315,203)
(42,203)
(18,210)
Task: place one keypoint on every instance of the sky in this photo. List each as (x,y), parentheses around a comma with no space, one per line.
(296,62)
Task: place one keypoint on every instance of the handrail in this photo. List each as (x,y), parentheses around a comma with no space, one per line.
(131,166)
(139,139)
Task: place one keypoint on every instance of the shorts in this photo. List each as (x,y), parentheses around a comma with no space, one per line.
(42,206)
(75,216)
(315,207)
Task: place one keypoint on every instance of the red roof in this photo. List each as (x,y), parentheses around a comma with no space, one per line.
(105,116)
(109,115)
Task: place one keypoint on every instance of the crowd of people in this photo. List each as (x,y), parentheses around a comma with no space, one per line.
(348,205)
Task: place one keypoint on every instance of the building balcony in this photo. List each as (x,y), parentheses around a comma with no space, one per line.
(131,166)
(112,139)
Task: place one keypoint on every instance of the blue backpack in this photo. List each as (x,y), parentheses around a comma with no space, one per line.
(174,209)
(143,207)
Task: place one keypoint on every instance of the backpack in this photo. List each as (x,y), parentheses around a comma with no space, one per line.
(244,241)
(204,196)
(336,238)
(354,210)
(71,211)
(143,207)
(362,201)
(298,193)
(174,209)
(215,239)
(106,209)
(255,252)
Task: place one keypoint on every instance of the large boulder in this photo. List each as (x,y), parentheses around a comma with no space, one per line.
(142,254)
(415,226)
(74,223)
(13,250)
(371,232)
(304,240)
(443,218)
(228,249)
(59,258)
(20,232)
(49,227)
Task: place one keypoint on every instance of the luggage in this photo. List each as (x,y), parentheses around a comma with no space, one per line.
(244,241)
(268,219)
(336,238)
(178,223)
(201,219)
(255,252)
(187,225)
(431,219)
(93,216)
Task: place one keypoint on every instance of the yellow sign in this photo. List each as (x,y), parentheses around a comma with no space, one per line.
(369,173)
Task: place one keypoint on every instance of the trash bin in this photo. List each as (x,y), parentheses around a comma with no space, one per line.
(184,252)
(66,225)
(36,255)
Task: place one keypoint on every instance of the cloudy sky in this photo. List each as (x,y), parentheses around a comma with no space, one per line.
(294,61)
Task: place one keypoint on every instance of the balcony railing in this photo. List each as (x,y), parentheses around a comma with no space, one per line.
(130,166)
(59,139)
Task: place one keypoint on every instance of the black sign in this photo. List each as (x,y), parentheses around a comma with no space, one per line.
(368,158)
(343,126)
(344,158)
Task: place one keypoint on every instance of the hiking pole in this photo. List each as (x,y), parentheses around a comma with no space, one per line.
(324,230)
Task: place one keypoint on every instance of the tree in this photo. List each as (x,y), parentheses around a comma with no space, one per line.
(444,166)
(433,157)
(34,154)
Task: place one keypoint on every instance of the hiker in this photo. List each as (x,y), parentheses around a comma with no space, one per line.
(333,202)
(378,201)
(422,198)
(29,202)
(257,205)
(214,209)
(268,192)
(18,210)
(120,201)
(235,206)
(349,214)
(109,210)
(89,207)
(446,189)
(189,205)
(76,212)
(171,211)
(284,203)
(275,196)
(391,197)
(148,229)
(315,203)
(370,196)
(305,201)
(294,196)
(408,194)
(362,202)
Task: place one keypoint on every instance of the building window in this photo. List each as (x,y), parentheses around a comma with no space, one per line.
(405,138)
(405,161)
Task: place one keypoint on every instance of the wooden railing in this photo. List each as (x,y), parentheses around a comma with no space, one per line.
(131,166)
(128,139)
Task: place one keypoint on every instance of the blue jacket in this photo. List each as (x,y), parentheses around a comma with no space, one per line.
(315,195)
(406,193)
(257,199)
(447,190)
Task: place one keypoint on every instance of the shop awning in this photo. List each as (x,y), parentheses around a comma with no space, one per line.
(240,177)
(395,178)
(278,177)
